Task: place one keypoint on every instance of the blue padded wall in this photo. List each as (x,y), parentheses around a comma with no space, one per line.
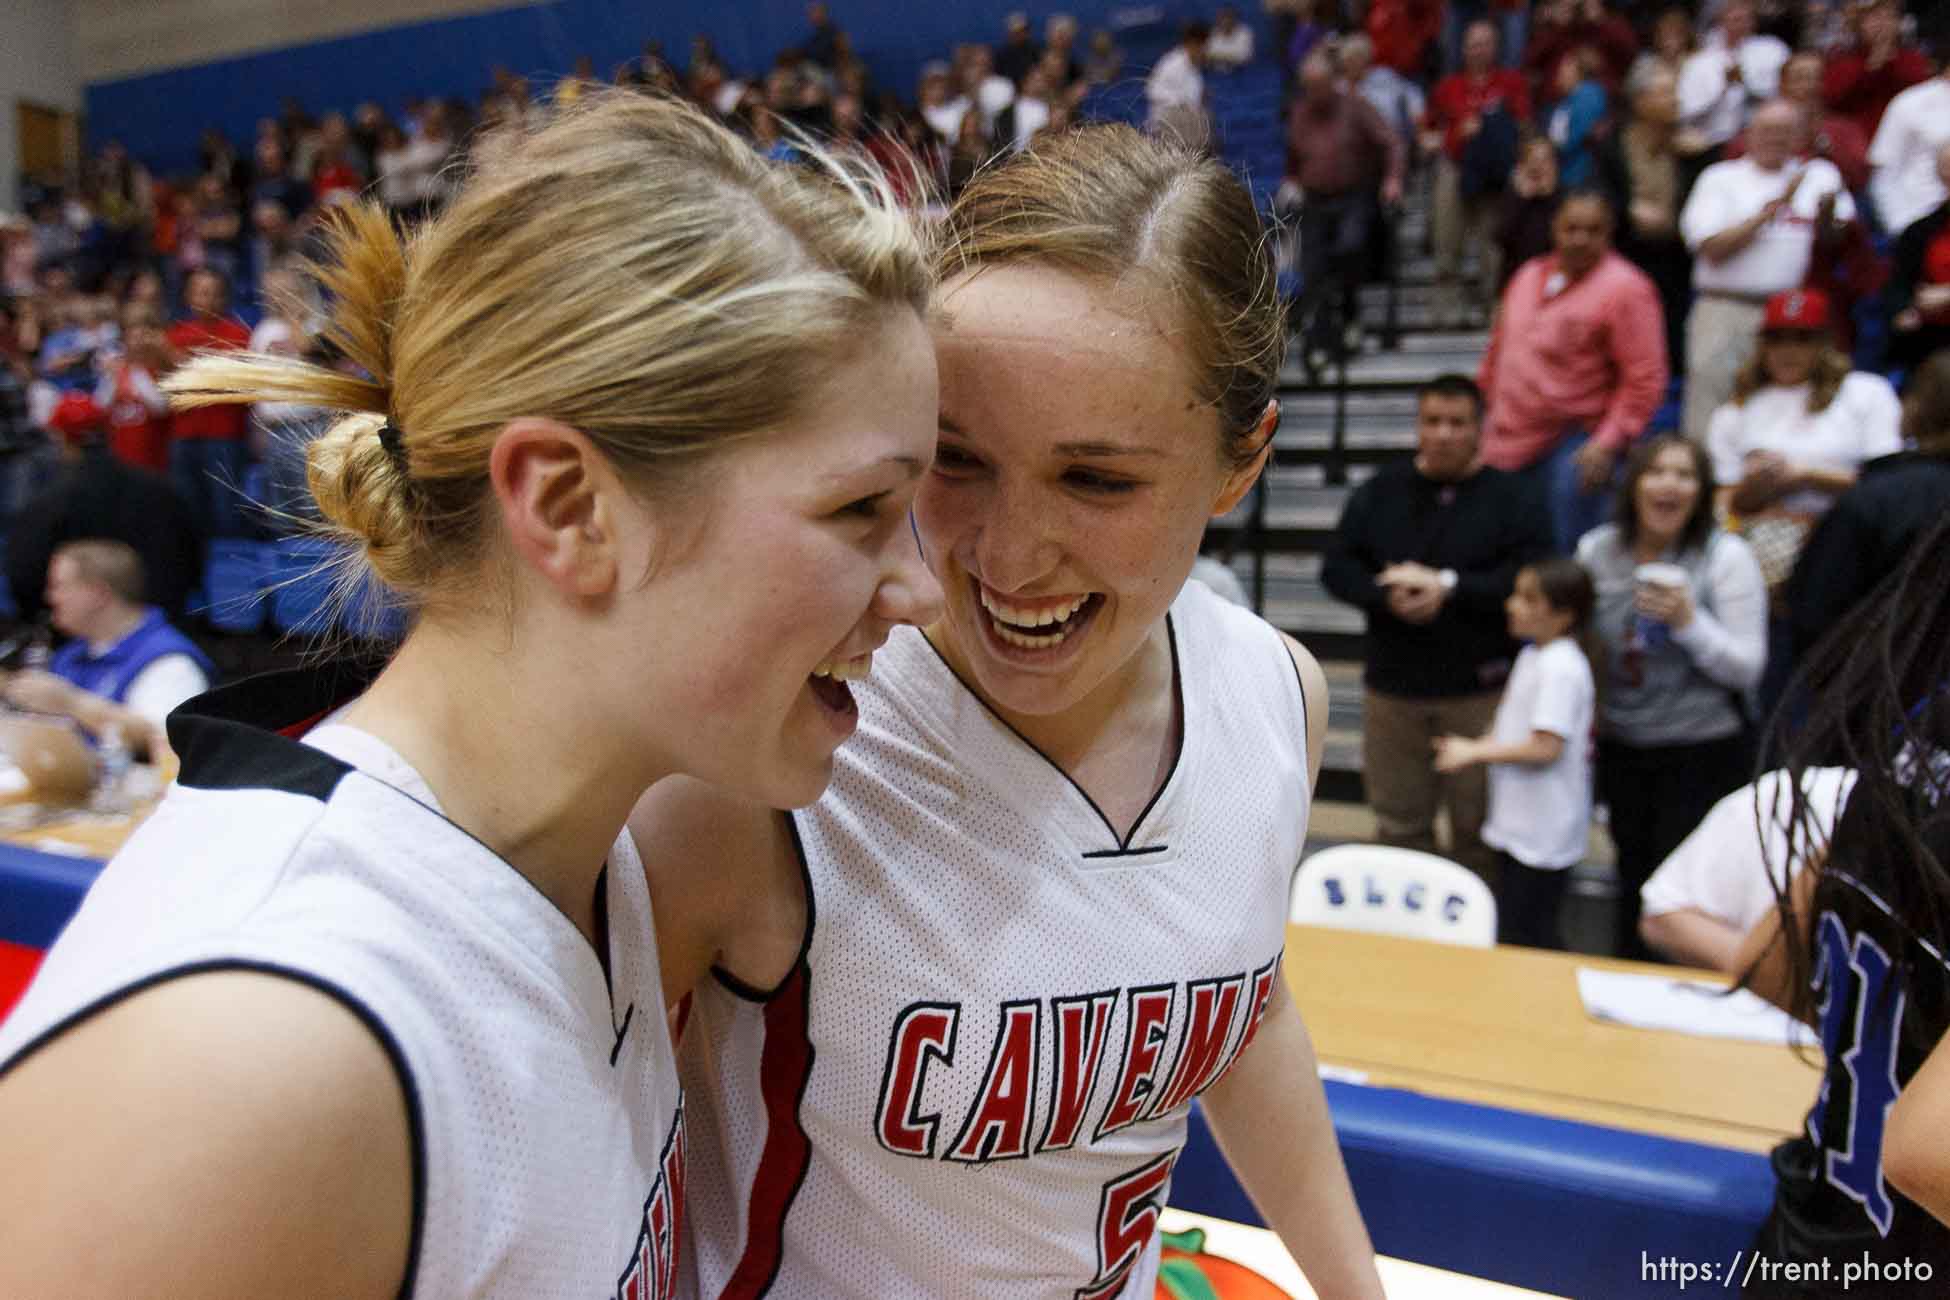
(159,115)
(1565,1208)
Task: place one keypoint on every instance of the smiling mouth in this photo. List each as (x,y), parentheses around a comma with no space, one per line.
(1036,627)
(829,683)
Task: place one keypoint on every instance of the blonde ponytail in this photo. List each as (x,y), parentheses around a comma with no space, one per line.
(631,269)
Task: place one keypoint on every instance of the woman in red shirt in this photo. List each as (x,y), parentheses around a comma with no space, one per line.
(138,409)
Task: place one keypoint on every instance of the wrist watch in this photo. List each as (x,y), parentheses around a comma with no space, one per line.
(1448,580)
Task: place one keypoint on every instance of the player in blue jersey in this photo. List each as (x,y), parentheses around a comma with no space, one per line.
(1859,948)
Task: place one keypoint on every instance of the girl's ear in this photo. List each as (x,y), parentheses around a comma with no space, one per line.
(1240,481)
(558,505)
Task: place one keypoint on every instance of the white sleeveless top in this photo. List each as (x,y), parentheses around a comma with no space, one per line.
(975,1081)
(543,1103)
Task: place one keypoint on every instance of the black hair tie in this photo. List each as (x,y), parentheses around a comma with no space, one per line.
(394,442)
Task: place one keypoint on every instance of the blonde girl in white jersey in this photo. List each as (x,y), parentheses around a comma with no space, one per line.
(366,1014)
(943,1026)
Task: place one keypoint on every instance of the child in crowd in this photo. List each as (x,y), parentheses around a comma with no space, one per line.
(1539,752)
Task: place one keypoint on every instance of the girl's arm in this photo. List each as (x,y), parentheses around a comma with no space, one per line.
(725,886)
(1731,647)
(1269,1114)
(1692,937)
(1454,753)
(1819,479)
(1915,1157)
(227,1134)
(1766,954)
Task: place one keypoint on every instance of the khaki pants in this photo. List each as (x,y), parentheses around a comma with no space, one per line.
(1721,335)
(1404,790)
(1459,222)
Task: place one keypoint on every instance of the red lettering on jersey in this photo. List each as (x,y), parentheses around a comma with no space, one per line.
(1149,1021)
(1127,1214)
(1262,994)
(1209,1008)
(1082,1028)
(652,1274)
(997,1128)
(674,1183)
(661,1230)
(924,1030)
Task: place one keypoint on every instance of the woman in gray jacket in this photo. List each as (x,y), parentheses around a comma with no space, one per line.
(1681,626)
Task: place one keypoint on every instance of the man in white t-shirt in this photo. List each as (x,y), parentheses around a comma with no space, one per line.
(1906,186)
(1231,45)
(127,668)
(1752,223)
(1702,901)
(988,91)
(1175,90)
(1735,69)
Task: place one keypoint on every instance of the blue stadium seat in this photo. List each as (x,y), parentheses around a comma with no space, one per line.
(1121,101)
(301,586)
(303,596)
(255,487)
(234,581)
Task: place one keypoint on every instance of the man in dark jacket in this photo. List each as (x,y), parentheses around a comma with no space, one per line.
(1348,165)
(1429,548)
(1868,532)
(94,495)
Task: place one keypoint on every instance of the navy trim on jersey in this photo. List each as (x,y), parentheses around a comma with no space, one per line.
(229,738)
(1301,683)
(1875,899)
(1123,842)
(747,993)
(415,1125)
(247,737)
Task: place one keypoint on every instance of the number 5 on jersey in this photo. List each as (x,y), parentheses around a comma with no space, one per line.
(1126,1218)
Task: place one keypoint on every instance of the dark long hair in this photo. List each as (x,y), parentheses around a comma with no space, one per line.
(1878,686)
(1699,524)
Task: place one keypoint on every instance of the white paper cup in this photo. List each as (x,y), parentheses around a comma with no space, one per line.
(1672,577)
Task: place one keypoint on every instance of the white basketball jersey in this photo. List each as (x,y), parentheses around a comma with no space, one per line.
(975,1081)
(543,1100)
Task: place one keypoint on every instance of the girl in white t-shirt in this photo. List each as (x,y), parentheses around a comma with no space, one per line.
(1538,751)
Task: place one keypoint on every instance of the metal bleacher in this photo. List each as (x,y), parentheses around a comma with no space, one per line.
(1335,429)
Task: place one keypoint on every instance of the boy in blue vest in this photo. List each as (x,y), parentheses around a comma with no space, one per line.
(126,666)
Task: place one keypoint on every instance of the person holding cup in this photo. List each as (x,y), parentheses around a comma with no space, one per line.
(1681,637)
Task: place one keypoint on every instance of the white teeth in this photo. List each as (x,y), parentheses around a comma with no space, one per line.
(855,669)
(1017,616)
(1028,642)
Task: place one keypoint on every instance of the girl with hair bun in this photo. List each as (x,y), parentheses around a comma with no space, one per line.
(371,1005)
(946,1024)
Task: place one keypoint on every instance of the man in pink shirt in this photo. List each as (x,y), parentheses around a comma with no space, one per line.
(1575,368)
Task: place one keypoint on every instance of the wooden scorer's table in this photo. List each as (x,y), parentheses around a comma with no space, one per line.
(1505,1027)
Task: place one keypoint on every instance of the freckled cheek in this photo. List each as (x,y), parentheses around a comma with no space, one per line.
(1139,556)
(944,516)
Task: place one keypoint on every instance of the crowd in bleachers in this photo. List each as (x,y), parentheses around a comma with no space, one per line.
(112,277)
(1702,244)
